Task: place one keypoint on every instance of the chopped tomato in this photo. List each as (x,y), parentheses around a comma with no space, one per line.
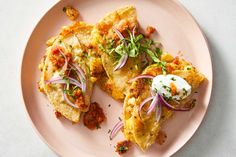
(57,58)
(150,30)
(94,117)
(123,146)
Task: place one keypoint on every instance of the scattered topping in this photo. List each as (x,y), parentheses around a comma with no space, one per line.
(150,30)
(123,146)
(189,67)
(116,129)
(133,46)
(141,76)
(171,86)
(94,117)
(65,80)
(79,100)
(121,62)
(57,114)
(59,59)
(71,12)
(174,108)
(68,101)
(81,76)
(161,137)
(173,89)
(143,103)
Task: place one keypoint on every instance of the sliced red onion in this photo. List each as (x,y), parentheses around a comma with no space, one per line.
(116,129)
(153,104)
(122,62)
(54,79)
(141,76)
(169,106)
(143,103)
(64,68)
(120,35)
(81,75)
(158,112)
(68,100)
(60,80)
(133,31)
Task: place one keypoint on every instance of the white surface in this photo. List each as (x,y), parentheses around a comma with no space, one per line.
(216,136)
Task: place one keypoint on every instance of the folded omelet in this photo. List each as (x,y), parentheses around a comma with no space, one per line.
(143,131)
(115,82)
(74,41)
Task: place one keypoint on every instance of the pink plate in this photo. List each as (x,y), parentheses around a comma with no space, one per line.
(177,31)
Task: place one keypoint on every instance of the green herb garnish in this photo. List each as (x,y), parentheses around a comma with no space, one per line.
(173,79)
(135,45)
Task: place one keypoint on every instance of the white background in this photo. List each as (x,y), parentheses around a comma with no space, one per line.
(216,136)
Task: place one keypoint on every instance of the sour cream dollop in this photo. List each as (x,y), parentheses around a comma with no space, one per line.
(171,86)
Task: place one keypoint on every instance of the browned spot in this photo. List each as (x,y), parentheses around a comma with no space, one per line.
(58,114)
(161,137)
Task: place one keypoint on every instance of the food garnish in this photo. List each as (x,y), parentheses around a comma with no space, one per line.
(71,12)
(133,45)
(118,126)
(94,117)
(123,146)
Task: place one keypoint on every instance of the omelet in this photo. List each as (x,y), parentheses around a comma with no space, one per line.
(115,82)
(73,41)
(143,130)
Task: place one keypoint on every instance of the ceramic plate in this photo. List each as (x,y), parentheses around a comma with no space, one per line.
(177,30)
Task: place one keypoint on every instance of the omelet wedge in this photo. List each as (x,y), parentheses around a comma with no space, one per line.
(74,41)
(115,82)
(143,131)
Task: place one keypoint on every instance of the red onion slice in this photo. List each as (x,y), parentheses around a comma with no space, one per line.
(153,104)
(140,76)
(169,106)
(68,101)
(116,129)
(133,31)
(82,77)
(143,103)
(122,62)
(60,80)
(158,112)
(120,35)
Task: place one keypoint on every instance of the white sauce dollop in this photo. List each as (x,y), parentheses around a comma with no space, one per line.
(163,83)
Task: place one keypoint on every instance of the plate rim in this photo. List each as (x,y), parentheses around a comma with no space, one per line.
(177,2)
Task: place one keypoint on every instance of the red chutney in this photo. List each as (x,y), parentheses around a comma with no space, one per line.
(57,58)
(123,146)
(94,117)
